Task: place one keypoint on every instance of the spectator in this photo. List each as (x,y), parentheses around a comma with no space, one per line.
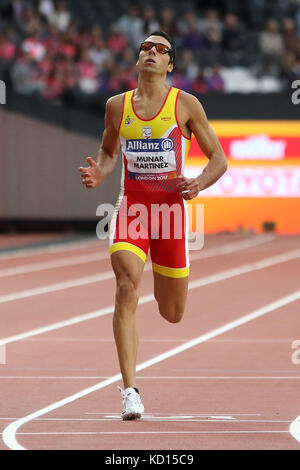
(232,39)
(212,38)
(289,34)
(88,75)
(99,53)
(46,64)
(67,46)
(188,64)
(84,38)
(34,46)
(52,40)
(132,26)
(189,20)
(267,68)
(167,22)
(116,82)
(214,81)
(199,84)
(54,86)
(117,40)
(298,20)
(130,78)
(97,34)
(31,21)
(61,17)
(23,75)
(7,46)
(193,39)
(290,69)
(211,21)
(150,22)
(271,41)
(128,59)
(71,75)
(180,80)
(46,9)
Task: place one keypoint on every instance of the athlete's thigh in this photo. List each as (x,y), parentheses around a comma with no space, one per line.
(127,266)
(170,293)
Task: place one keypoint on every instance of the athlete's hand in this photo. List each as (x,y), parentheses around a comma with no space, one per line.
(91,176)
(188,187)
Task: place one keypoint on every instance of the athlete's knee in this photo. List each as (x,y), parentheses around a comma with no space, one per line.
(126,289)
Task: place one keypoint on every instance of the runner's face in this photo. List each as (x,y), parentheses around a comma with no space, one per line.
(153,61)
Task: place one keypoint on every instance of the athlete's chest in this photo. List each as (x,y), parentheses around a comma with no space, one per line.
(148,109)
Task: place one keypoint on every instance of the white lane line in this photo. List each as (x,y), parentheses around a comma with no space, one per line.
(232,247)
(53,248)
(61,263)
(82,281)
(153,419)
(295,429)
(9,434)
(175,414)
(93,257)
(153,415)
(246,268)
(98,377)
(91,433)
(158,340)
(204,281)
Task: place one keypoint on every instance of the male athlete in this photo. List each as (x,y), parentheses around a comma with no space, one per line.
(153,124)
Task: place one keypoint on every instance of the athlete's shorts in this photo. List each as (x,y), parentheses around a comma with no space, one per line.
(159,224)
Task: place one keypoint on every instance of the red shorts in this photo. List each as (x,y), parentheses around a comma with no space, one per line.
(159,223)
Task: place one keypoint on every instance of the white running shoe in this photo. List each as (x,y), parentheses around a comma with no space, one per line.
(133,407)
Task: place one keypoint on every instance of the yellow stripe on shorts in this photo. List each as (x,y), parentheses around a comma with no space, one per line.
(171,272)
(128,247)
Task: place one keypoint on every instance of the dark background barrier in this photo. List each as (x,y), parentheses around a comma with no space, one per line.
(79,119)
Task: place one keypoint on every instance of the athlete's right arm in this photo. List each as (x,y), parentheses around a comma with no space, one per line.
(108,153)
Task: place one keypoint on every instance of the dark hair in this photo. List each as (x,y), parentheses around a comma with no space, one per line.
(167,37)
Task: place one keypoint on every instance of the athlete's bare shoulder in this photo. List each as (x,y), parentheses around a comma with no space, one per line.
(114,109)
(115,102)
(189,112)
(189,104)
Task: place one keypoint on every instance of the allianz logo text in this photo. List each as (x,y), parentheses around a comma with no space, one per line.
(146,145)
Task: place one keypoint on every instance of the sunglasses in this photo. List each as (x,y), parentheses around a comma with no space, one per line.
(161,48)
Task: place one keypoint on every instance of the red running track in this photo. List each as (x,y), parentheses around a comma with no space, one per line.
(236,387)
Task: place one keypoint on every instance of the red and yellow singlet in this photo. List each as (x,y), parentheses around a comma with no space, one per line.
(154,153)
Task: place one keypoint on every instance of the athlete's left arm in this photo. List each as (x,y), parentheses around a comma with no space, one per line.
(193,114)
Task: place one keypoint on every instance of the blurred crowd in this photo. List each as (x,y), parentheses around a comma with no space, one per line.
(46,52)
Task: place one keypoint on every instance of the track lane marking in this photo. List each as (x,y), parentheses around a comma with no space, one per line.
(93,257)
(9,434)
(97,377)
(89,433)
(221,276)
(46,265)
(266,262)
(53,248)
